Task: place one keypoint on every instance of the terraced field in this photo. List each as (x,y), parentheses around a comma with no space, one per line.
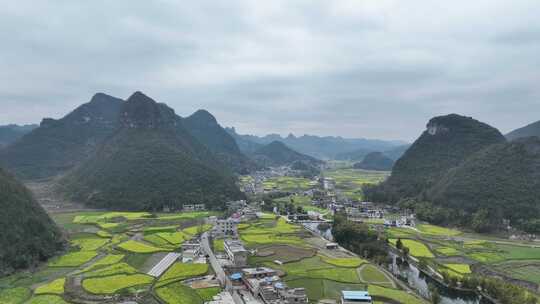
(109,255)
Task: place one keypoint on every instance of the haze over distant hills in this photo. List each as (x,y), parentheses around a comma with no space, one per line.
(150,161)
(321,147)
(28,235)
(11,133)
(532,129)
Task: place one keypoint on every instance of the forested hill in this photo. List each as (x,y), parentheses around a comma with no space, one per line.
(205,128)
(11,133)
(28,235)
(58,145)
(446,143)
(500,182)
(532,129)
(278,154)
(150,162)
(375,161)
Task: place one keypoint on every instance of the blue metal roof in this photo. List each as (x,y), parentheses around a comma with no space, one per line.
(355,295)
(236,276)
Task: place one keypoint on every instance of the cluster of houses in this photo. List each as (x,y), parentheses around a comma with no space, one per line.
(265,284)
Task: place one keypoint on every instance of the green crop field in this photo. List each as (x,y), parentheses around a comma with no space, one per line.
(156,240)
(177,293)
(219,245)
(112,284)
(283,253)
(394,294)
(14,295)
(89,244)
(510,252)
(345,262)
(120,268)
(47,299)
(105,261)
(315,267)
(191,231)
(207,294)
(370,274)
(417,249)
(150,230)
(287,183)
(180,271)
(175,238)
(54,287)
(73,259)
(138,247)
(437,230)
(528,270)
(447,251)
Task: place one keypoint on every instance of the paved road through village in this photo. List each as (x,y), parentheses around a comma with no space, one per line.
(218,269)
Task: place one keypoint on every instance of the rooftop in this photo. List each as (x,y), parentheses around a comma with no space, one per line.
(355,295)
(235,246)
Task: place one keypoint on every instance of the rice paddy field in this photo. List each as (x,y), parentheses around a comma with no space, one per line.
(108,255)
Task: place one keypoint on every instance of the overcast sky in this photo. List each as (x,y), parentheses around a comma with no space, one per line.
(355,68)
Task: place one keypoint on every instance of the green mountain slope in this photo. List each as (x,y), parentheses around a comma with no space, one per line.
(446,143)
(375,161)
(532,129)
(205,128)
(277,153)
(151,161)
(28,235)
(502,181)
(58,145)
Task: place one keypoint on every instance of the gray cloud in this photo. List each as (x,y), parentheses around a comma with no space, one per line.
(374,68)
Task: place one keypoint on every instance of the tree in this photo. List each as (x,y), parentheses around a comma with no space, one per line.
(405,251)
(399,244)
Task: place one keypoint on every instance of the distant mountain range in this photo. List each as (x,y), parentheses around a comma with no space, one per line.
(150,161)
(532,129)
(462,171)
(327,147)
(10,133)
(28,235)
